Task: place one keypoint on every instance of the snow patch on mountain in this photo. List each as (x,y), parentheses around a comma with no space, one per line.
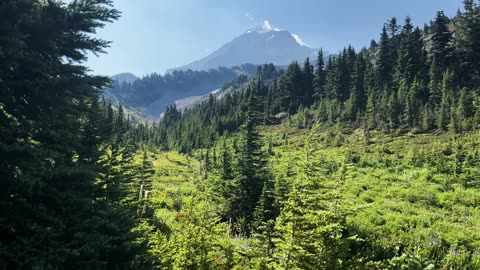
(299,40)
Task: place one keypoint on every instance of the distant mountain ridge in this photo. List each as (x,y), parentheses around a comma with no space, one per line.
(260,45)
(150,95)
(192,83)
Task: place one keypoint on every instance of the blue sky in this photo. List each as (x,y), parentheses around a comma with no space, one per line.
(154,35)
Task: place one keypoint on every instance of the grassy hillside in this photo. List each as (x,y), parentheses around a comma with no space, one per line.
(417,194)
(411,200)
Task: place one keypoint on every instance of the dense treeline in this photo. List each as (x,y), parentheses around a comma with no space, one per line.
(416,79)
(201,125)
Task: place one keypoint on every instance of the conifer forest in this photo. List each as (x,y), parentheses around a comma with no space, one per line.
(365,159)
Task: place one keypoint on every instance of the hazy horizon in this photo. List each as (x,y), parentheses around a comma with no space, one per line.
(153,37)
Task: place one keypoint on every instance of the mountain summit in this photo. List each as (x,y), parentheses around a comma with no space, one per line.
(266,27)
(260,45)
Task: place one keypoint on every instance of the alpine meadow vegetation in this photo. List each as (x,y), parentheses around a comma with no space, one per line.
(367,159)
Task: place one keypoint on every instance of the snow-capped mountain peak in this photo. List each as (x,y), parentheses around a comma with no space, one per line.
(266,27)
(260,45)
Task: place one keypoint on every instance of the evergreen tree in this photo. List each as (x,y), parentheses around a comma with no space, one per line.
(120,120)
(320,77)
(428,118)
(413,104)
(196,238)
(449,89)
(358,97)
(394,110)
(310,225)
(441,42)
(434,86)
(442,119)
(264,217)
(467,43)
(465,109)
(393,31)
(410,54)
(251,164)
(290,89)
(384,64)
(48,111)
(308,77)
(227,171)
(93,135)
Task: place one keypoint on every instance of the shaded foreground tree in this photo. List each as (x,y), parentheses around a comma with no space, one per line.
(58,143)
